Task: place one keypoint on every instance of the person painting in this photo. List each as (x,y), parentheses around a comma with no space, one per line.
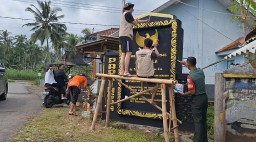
(74,87)
(199,105)
(126,37)
(145,62)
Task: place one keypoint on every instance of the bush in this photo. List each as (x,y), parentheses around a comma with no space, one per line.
(22,74)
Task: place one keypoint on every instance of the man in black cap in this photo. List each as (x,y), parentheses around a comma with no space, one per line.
(126,36)
(199,105)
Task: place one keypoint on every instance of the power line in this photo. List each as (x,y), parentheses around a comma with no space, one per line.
(64,22)
(85,7)
(209,26)
(214,11)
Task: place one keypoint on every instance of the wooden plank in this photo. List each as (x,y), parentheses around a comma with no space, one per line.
(99,103)
(110,83)
(239,75)
(173,112)
(156,106)
(152,80)
(219,113)
(135,95)
(165,124)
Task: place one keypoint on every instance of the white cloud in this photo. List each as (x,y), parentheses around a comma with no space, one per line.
(78,13)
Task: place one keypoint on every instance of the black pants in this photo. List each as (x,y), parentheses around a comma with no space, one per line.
(199,107)
(75,91)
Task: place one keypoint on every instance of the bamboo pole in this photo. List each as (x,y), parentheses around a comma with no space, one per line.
(166,132)
(152,80)
(110,82)
(135,95)
(159,108)
(173,112)
(99,102)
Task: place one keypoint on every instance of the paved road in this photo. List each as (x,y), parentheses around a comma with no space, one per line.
(15,111)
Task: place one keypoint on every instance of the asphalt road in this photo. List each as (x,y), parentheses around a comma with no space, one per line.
(17,109)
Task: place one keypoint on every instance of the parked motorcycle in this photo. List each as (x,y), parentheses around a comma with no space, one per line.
(51,96)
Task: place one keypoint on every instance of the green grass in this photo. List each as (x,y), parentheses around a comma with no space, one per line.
(210,121)
(14,74)
(57,126)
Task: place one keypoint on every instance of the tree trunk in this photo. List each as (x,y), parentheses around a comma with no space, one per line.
(48,59)
(243,17)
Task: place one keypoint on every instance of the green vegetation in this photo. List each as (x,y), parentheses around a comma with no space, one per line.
(56,125)
(210,121)
(14,74)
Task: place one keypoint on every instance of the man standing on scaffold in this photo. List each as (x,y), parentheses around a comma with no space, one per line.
(126,37)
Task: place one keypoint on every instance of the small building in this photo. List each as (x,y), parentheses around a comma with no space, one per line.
(97,44)
(209,34)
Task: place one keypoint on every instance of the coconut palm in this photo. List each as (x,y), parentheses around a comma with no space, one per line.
(86,31)
(72,40)
(5,45)
(46,24)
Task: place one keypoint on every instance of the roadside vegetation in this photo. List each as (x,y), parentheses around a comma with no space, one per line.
(57,126)
(14,74)
(210,121)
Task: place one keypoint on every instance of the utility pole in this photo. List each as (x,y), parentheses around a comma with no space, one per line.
(123,3)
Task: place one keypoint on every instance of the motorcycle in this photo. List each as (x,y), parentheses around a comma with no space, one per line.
(51,96)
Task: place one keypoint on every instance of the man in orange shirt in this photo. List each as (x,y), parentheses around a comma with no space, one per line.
(74,87)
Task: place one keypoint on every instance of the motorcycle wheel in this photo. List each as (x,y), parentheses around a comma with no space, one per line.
(48,101)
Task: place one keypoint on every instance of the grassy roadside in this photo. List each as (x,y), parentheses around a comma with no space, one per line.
(56,126)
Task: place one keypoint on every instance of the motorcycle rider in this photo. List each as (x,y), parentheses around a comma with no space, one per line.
(61,79)
(49,76)
(74,86)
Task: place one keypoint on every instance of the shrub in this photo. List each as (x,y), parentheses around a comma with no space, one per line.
(22,74)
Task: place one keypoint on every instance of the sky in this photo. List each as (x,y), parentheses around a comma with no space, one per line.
(106,12)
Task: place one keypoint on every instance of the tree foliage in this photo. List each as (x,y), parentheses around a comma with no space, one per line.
(46,24)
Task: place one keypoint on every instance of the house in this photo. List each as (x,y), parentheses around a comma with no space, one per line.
(96,46)
(209,34)
(96,36)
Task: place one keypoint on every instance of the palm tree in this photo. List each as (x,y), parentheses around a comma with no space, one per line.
(5,45)
(86,31)
(46,24)
(72,40)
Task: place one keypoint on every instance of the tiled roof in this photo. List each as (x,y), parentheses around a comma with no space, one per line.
(233,45)
(104,33)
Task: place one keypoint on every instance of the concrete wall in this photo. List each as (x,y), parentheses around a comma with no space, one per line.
(205,32)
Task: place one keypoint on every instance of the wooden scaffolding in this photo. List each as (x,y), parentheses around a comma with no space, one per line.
(162,83)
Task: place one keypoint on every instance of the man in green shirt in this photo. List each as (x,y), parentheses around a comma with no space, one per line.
(199,105)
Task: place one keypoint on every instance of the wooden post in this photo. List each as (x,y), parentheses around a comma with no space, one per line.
(173,113)
(99,103)
(219,113)
(110,82)
(166,133)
